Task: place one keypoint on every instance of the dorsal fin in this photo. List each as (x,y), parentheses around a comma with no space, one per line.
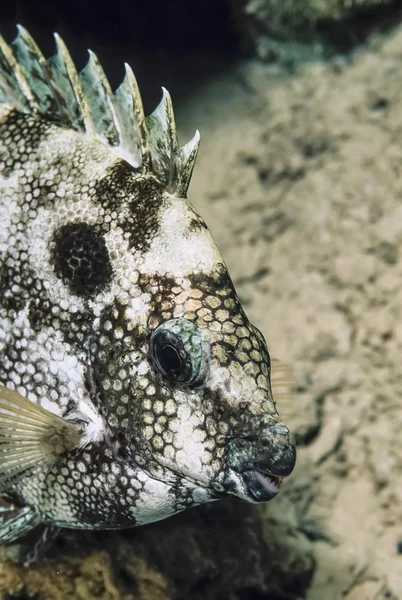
(86,103)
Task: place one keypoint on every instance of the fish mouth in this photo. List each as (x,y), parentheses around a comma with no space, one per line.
(261,486)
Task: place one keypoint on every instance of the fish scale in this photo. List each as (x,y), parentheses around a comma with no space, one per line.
(132,384)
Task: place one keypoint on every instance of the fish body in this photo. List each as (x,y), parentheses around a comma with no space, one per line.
(132,383)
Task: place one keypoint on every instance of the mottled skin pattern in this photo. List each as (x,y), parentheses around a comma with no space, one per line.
(94,257)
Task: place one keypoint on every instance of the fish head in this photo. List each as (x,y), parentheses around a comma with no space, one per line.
(183,377)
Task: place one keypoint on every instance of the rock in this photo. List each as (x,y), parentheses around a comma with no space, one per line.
(225,550)
(295,30)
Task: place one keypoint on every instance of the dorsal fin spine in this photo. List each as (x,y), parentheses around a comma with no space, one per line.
(21,91)
(185,159)
(139,117)
(100,98)
(82,102)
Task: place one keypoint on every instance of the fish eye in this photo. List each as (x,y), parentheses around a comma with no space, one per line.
(177,351)
(170,357)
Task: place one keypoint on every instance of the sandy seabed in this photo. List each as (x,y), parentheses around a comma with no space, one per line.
(299,178)
(300,181)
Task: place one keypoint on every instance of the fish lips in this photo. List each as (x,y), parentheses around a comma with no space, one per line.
(260,480)
(261,486)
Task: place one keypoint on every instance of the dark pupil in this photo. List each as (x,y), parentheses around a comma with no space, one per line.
(170,359)
(170,356)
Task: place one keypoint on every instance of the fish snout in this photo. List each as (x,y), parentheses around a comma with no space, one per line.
(263,460)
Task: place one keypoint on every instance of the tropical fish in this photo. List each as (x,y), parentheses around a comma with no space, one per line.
(133,386)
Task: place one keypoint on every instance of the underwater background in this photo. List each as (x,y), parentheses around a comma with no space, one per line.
(299,178)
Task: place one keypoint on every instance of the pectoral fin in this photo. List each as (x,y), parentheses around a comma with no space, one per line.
(30,435)
(283,382)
